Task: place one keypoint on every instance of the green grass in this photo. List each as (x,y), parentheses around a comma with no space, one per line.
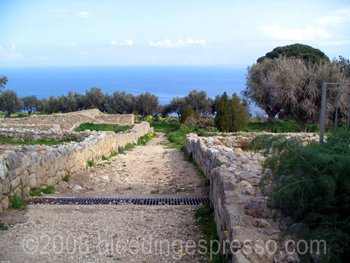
(280,126)
(101,127)
(17,203)
(3,227)
(37,192)
(66,178)
(5,140)
(207,225)
(90,163)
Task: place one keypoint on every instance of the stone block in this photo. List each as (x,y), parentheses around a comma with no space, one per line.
(5,203)
(233,217)
(13,161)
(15,183)
(3,168)
(32,181)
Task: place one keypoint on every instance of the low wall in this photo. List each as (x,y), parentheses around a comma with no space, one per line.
(25,167)
(26,134)
(241,214)
(66,121)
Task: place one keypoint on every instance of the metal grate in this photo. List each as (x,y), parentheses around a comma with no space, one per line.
(121,201)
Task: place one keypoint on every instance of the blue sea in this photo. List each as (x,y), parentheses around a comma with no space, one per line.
(166,82)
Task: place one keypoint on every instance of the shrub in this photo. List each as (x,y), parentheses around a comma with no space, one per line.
(312,185)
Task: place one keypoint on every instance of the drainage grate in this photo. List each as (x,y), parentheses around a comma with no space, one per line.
(121,201)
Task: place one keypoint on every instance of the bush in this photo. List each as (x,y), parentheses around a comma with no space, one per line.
(312,185)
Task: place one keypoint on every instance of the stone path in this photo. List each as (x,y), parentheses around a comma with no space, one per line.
(123,233)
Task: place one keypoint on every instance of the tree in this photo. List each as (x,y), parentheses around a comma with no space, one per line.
(10,102)
(177,105)
(67,104)
(299,51)
(187,113)
(80,99)
(215,103)
(122,102)
(261,91)
(3,81)
(30,103)
(344,66)
(239,113)
(223,118)
(146,104)
(299,88)
(94,99)
(199,101)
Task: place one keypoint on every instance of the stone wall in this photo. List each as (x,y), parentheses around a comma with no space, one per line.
(241,212)
(25,167)
(66,121)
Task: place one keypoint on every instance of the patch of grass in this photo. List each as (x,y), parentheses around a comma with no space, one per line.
(280,126)
(66,178)
(90,163)
(6,140)
(178,190)
(165,127)
(37,191)
(104,158)
(17,203)
(207,225)
(129,188)
(113,154)
(3,227)
(101,127)
(129,146)
(121,150)
(144,139)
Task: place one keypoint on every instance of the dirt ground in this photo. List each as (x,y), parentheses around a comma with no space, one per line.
(106,233)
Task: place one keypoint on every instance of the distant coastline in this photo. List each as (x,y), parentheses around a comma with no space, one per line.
(166,82)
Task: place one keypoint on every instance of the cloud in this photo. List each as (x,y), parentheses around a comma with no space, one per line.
(9,55)
(126,43)
(179,43)
(336,17)
(309,33)
(83,14)
(13,47)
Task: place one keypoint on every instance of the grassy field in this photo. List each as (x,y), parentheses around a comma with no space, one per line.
(5,140)
(101,127)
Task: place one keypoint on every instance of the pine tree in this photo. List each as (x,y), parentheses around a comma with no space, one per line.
(223,118)
(239,114)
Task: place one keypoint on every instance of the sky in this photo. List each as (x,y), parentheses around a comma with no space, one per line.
(157,32)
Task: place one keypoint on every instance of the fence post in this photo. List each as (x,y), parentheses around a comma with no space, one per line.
(323,111)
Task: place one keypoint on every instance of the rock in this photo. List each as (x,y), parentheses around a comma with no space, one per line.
(234,198)
(234,217)
(292,258)
(270,232)
(32,181)
(249,191)
(3,168)
(217,143)
(285,239)
(254,206)
(255,182)
(76,187)
(13,161)
(285,223)
(260,223)
(260,200)
(244,184)
(253,213)
(5,203)
(15,183)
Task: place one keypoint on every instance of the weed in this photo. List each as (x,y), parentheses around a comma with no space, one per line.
(207,225)
(101,127)
(90,163)
(129,188)
(66,178)
(104,158)
(17,203)
(178,190)
(113,154)
(37,191)
(121,150)
(3,227)
(6,140)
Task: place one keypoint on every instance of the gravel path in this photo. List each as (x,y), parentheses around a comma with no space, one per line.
(106,233)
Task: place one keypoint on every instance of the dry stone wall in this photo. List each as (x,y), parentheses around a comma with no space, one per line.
(26,167)
(66,121)
(241,212)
